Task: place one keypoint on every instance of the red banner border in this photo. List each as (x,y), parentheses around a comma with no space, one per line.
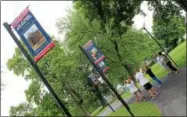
(44,51)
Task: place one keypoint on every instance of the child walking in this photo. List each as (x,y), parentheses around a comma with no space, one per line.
(148,71)
(145,83)
(133,89)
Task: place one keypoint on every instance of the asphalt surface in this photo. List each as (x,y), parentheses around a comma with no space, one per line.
(171,99)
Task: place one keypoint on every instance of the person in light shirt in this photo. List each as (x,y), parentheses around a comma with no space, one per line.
(133,89)
(160,61)
(168,63)
(145,83)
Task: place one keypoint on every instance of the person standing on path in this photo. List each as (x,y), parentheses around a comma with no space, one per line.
(160,61)
(145,83)
(148,71)
(168,63)
(133,89)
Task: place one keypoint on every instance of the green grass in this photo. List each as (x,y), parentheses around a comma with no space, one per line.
(139,109)
(179,56)
(97,111)
(126,95)
(100,108)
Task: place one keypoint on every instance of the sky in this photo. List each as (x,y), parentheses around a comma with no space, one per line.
(47,13)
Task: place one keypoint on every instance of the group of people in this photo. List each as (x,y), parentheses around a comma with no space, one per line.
(163,60)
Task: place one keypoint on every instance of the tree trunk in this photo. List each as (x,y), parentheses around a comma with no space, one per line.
(77,101)
(120,58)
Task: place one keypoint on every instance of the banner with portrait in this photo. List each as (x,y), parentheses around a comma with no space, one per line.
(95,55)
(33,35)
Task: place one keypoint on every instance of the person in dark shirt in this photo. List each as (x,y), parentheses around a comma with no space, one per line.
(148,71)
(169,63)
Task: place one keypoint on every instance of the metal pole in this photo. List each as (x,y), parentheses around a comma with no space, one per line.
(160,46)
(98,91)
(109,84)
(34,65)
(108,104)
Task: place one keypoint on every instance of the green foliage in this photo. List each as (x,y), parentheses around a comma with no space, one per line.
(120,51)
(182,3)
(66,67)
(33,93)
(22,109)
(168,23)
(116,14)
(48,107)
(64,74)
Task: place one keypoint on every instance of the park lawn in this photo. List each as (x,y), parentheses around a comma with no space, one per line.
(139,109)
(125,95)
(179,56)
(97,111)
(101,108)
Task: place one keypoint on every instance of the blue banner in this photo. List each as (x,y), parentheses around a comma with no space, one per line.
(33,35)
(95,55)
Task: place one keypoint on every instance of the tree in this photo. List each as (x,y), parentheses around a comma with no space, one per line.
(114,17)
(168,23)
(59,68)
(182,3)
(114,14)
(23,109)
(120,51)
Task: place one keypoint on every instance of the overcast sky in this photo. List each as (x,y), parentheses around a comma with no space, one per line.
(47,13)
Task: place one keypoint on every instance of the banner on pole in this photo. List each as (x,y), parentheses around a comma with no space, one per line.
(95,55)
(33,35)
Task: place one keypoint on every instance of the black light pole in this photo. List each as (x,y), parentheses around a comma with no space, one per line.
(35,67)
(108,103)
(109,84)
(98,91)
(156,40)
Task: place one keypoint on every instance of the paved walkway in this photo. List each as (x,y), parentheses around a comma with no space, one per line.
(172,98)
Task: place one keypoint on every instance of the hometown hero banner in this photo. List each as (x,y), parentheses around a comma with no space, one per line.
(33,35)
(95,55)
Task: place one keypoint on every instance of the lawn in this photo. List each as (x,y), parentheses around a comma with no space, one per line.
(101,108)
(179,56)
(97,111)
(139,109)
(125,95)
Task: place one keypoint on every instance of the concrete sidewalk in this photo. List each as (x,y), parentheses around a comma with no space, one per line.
(172,98)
